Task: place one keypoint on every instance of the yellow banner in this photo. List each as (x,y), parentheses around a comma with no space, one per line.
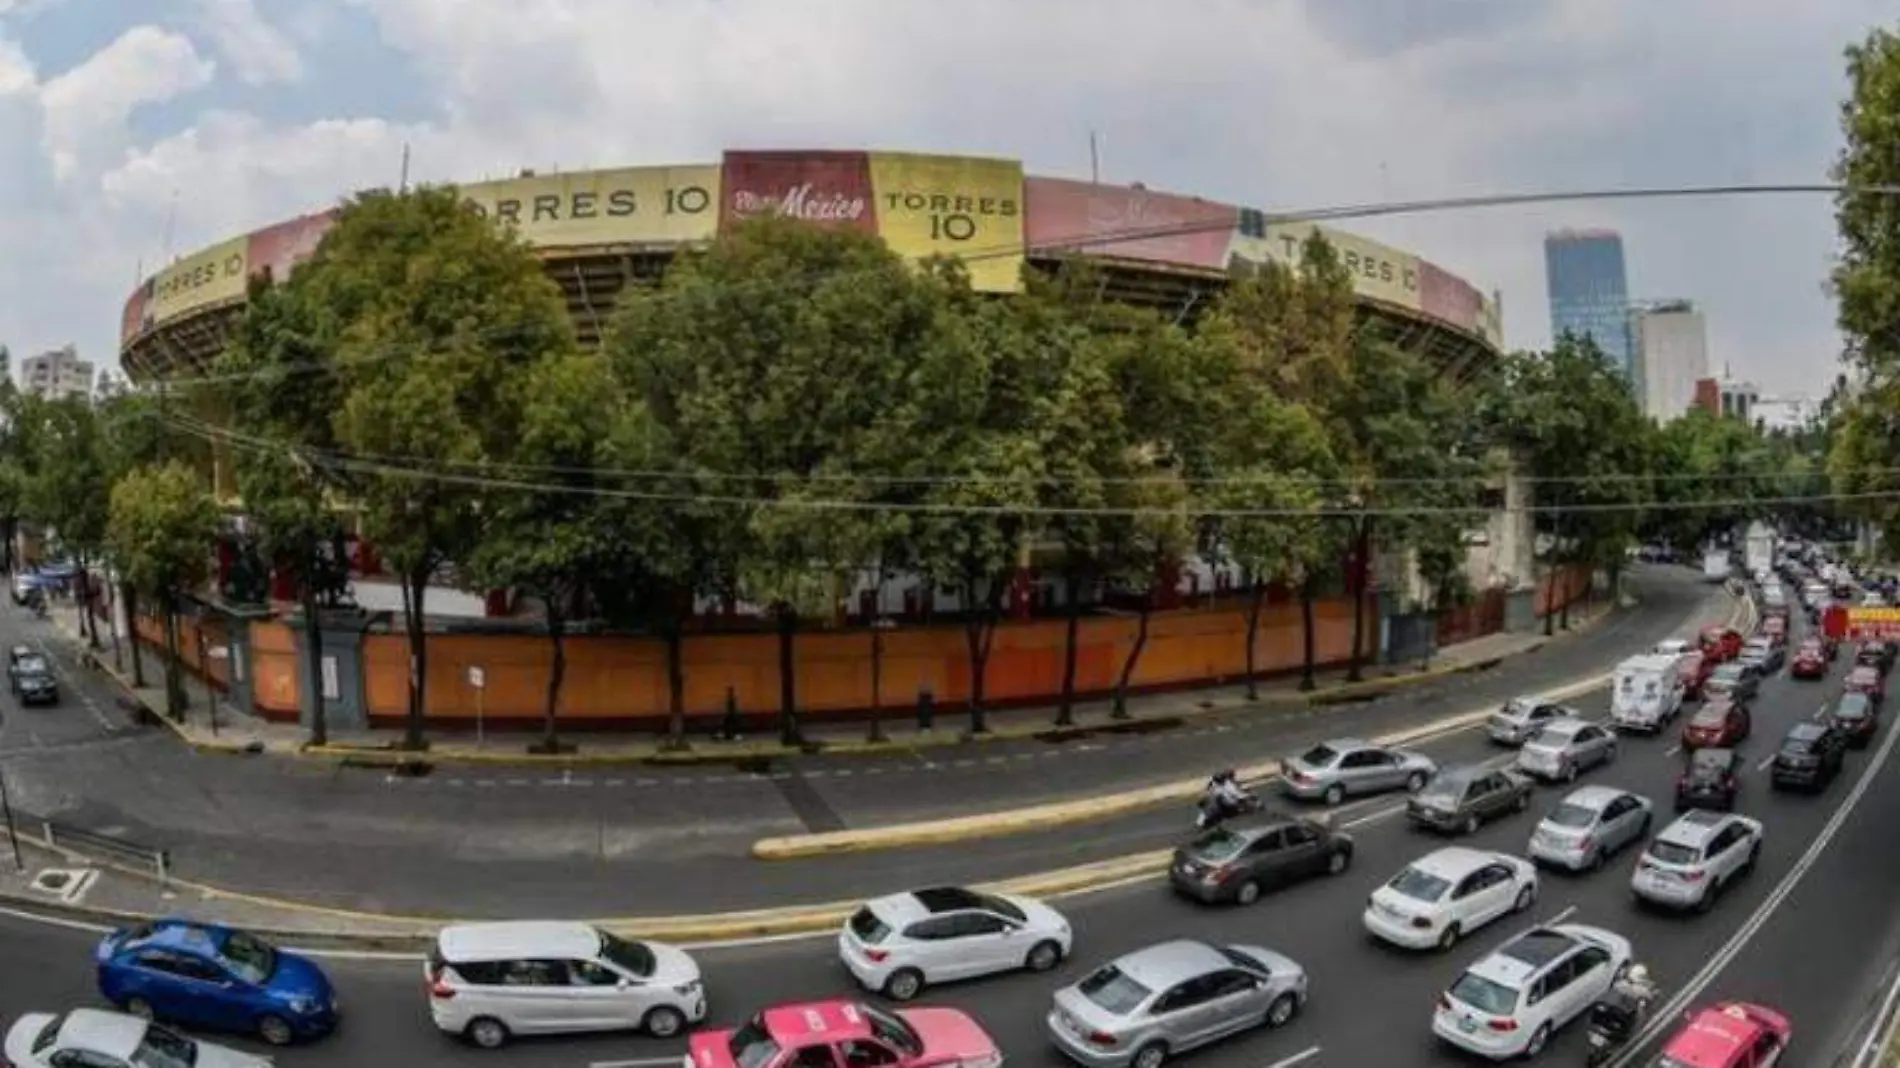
(635,205)
(953,206)
(1379,272)
(1865,616)
(208,277)
(1491,320)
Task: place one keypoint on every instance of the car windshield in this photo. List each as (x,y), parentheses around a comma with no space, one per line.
(1112,990)
(165,1049)
(1708,762)
(1569,815)
(1728,673)
(632,957)
(1419,885)
(1673,852)
(1320,755)
(1851,706)
(1218,844)
(894,1031)
(1446,789)
(1001,906)
(32,665)
(751,1046)
(1484,995)
(868,927)
(1711,716)
(252,960)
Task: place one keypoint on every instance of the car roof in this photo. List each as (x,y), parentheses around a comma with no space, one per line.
(1806,731)
(1564,725)
(513,939)
(1712,1036)
(1164,964)
(1864,671)
(1458,774)
(1593,797)
(111,1033)
(174,933)
(1454,862)
(1713,757)
(1516,962)
(901,908)
(1656,661)
(838,1018)
(1694,827)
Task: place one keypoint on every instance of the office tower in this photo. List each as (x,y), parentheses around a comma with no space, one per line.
(1672,347)
(1589,293)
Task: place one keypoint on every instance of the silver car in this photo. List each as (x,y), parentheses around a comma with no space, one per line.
(1590,825)
(1149,1005)
(1564,747)
(1520,718)
(1332,771)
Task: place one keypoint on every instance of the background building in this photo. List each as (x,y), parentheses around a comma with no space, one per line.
(1727,396)
(1589,292)
(57,373)
(1672,348)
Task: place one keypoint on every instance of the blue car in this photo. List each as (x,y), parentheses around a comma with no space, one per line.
(216,978)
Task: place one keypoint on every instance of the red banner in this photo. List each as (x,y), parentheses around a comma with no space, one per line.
(831,189)
(137,315)
(1125,222)
(1446,297)
(277,250)
(1844,623)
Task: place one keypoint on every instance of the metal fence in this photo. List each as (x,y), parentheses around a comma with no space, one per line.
(104,847)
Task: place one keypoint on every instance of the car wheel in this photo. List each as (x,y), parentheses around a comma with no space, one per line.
(1450,937)
(1594,862)
(1282,1010)
(1526,897)
(1642,830)
(665,1021)
(1149,1056)
(1339,861)
(1609,755)
(139,1007)
(275,1030)
(487,1032)
(1334,794)
(1471,823)
(1754,855)
(1248,893)
(1043,956)
(1415,781)
(1567,772)
(904,984)
(1523,802)
(1539,1039)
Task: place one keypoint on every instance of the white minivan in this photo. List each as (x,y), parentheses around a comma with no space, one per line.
(489,982)
(1646,692)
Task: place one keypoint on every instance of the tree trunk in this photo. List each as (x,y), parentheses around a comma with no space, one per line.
(414,591)
(1550,600)
(876,733)
(1568,597)
(1255,605)
(788,731)
(1308,652)
(130,597)
(11,527)
(1120,709)
(88,626)
(175,703)
(1071,638)
(675,681)
(313,647)
(112,629)
(1362,585)
(979,631)
(557,672)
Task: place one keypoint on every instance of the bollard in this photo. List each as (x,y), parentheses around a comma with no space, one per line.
(926,709)
(729,728)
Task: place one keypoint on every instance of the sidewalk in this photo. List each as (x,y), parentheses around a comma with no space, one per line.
(222,728)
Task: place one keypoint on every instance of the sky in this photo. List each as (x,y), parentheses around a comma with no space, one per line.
(140,131)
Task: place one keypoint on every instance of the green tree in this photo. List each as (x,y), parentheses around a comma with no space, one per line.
(161,524)
(68,487)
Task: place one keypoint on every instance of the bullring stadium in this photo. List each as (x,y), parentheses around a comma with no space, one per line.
(599,231)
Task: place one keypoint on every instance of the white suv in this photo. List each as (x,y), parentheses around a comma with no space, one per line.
(1695,858)
(898,943)
(1511,1002)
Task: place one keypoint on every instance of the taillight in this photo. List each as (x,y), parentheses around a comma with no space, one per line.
(440,989)
(1101,1038)
(1587,844)
(1444,1003)
(877,956)
(1692,876)
(1502,1025)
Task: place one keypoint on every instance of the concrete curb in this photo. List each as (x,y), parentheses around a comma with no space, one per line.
(1066,813)
(383,756)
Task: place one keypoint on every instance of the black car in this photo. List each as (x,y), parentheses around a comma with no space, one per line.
(1712,780)
(1235,864)
(31,678)
(1856,716)
(1464,797)
(1810,756)
(1877,654)
(1740,679)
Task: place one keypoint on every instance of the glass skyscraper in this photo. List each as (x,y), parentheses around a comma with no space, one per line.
(1589,292)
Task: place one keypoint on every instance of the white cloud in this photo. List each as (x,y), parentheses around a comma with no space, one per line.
(255,49)
(87,107)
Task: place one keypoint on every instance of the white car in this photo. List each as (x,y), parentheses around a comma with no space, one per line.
(1510,1003)
(1695,858)
(88,1037)
(1589,825)
(899,943)
(1672,647)
(1445,895)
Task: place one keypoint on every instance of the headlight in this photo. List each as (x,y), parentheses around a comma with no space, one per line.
(303,1004)
(687,989)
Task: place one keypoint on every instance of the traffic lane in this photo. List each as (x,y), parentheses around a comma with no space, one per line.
(85,711)
(862,794)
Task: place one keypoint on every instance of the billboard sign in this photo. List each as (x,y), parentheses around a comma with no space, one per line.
(629,206)
(1846,623)
(1379,272)
(831,189)
(1446,297)
(136,318)
(1491,320)
(275,251)
(964,206)
(203,278)
(1128,223)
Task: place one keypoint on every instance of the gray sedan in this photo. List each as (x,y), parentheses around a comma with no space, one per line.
(1332,771)
(1765,652)
(1565,747)
(1151,1004)
(1590,825)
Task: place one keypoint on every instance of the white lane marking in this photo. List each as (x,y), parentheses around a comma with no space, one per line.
(56,921)
(1667,1015)
(1880,1033)
(1764,762)
(1672,750)
(1298,1058)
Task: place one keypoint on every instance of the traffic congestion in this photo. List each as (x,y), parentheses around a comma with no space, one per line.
(1561,841)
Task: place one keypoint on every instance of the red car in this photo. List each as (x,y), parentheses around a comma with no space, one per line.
(1867,679)
(848,1033)
(1775,629)
(1694,669)
(1722,643)
(1810,660)
(1733,1034)
(1720,724)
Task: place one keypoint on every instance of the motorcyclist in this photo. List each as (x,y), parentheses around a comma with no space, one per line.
(1225,794)
(1635,987)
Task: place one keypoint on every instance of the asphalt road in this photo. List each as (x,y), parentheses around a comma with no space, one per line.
(354,838)
(1808,932)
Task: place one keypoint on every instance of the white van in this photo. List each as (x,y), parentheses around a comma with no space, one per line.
(1715,565)
(1646,692)
(489,982)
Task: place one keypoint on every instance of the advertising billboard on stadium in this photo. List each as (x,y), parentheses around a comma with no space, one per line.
(1127,223)
(208,277)
(1445,296)
(831,189)
(275,251)
(628,206)
(136,318)
(965,206)
(1379,272)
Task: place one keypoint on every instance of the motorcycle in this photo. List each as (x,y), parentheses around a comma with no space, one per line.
(1212,812)
(1612,1023)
